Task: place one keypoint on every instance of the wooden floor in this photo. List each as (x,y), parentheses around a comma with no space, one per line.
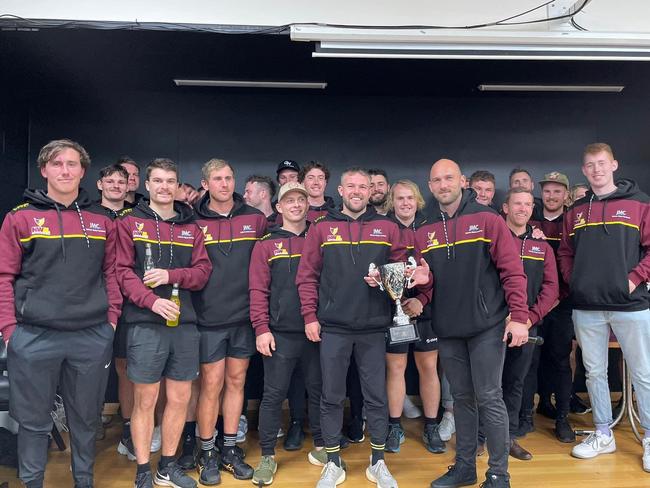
(552,465)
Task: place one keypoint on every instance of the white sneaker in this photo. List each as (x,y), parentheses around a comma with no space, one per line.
(411,410)
(242,429)
(330,476)
(646,454)
(280,432)
(156,441)
(597,443)
(378,473)
(447,426)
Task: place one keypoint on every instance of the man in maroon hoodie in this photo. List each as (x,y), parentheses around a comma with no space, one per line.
(60,299)
(163,340)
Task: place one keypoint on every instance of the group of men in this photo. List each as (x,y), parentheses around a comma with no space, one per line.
(194,291)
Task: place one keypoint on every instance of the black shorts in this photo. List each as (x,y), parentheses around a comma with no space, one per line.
(220,342)
(428,341)
(120,340)
(156,351)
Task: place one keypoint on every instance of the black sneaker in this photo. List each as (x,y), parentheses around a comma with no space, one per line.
(526,425)
(563,430)
(432,440)
(577,406)
(355,430)
(173,475)
(233,462)
(547,409)
(295,436)
(186,460)
(456,476)
(207,465)
(495,481)
(143,480)
(344,442)
(395,438)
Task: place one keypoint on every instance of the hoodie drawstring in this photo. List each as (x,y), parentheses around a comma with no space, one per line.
(451,247)
(523,247)
(83,227)
(223,251)
(62,238)
(171,241)
(59,216)
(604,220)
(603,216)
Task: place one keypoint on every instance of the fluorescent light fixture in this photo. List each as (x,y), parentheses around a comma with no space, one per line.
(552,88)
(473,44)
(253,84)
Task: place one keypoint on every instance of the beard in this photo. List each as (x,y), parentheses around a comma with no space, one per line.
(378,199)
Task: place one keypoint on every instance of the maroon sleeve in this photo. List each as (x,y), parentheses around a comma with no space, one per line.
(112,288)
(132,286)
(263,226)
(566,252)
(11,257)
(641,272)
(197,275)
(308,275)
(425,292)
(259,285)
(506,258)
(550,290)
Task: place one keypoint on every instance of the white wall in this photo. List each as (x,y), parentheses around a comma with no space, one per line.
(600,15)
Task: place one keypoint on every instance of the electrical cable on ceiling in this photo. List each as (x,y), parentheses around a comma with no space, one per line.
(21,23)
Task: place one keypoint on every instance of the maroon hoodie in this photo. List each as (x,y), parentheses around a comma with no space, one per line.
(57,265)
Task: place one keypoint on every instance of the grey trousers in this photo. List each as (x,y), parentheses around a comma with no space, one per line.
(38,360)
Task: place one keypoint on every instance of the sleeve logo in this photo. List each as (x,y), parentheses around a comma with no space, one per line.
(40,229)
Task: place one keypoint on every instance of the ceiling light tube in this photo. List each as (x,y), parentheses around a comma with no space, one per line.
(252,84)
(551,88)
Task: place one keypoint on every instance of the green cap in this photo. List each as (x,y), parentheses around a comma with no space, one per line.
(555,177)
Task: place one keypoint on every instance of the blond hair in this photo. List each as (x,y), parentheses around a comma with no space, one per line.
(419,199)
(214,165)
(596,147)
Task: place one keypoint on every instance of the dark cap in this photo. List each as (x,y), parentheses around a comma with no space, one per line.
(287,164)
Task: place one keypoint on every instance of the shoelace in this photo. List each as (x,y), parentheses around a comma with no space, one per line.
(382,470)
(330,471)
(266,463)
(592,440)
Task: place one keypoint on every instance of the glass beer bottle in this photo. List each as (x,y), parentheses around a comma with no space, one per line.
(148,260)
(177,300)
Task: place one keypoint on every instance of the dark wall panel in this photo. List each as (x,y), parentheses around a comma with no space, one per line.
(403,135)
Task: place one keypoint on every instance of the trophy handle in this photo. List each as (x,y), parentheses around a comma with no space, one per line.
(410,262)
(372,268)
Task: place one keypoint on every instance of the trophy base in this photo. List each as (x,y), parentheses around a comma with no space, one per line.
(402,334)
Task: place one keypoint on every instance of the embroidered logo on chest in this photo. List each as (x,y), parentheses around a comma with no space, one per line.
(280,250)
(186,234)
(536,250)
(206,234)
(334,235)
(40,229)
(95,227)
(621,214)
(139,231)
(377,232)
(247,229)
(473,229)
(579,220)
(431,239)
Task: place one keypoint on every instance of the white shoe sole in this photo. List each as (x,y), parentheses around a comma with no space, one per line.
(609,450)
(121,449)
(313,460)
(159,482)
(371,478)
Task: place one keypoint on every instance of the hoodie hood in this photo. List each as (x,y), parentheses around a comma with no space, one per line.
(336,213)
(276,231)
(434,212)
(329,203)
(625,188)
(184,213)
(418,220)
(40,199)
(202,207)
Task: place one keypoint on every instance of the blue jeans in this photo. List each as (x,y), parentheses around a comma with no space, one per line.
(632,330)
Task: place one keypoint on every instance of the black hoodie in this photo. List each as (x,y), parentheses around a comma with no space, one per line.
(229,241)
(57,265)
(275,304)
(335,260)
(176,246)
(477,270)
(605,243)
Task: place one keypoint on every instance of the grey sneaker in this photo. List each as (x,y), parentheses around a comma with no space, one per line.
(319,458)
(447,426)
(331,476)
(378,473)
(265,470)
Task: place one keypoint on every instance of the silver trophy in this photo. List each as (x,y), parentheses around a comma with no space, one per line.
(393,280)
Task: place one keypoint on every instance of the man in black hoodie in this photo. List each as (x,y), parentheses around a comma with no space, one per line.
(60,303)
(162,335)
(478,281)
(353,317)
(231,229)
(605,257)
